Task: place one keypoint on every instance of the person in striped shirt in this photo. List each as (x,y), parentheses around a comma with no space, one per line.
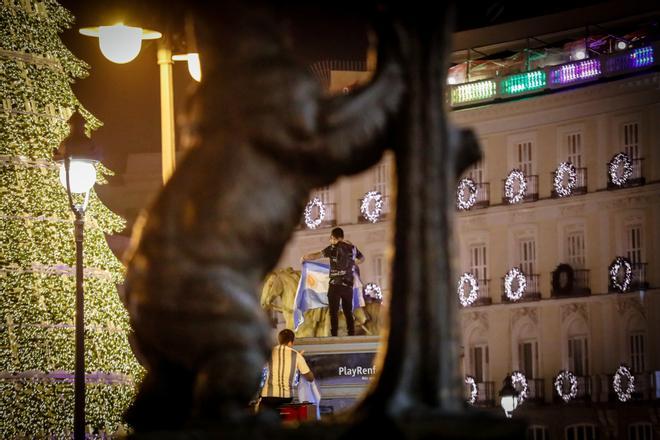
(282,366)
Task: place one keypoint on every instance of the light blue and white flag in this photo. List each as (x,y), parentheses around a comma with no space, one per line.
(312,290)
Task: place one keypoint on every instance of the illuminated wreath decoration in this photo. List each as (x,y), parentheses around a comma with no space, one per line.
(309,221)
(620,169)
(473,389)
(369,214)
(464,185)
(565,169)
(474,289)
(511,196)
(373,291)
(508,284)
(518,378)
(615,268)
(560,382)
(623,395)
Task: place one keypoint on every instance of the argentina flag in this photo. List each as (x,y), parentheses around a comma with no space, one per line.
(312,290)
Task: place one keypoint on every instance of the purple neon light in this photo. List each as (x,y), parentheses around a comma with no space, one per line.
(626,61)
(578,71)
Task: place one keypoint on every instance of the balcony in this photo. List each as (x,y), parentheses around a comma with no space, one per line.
(584,390)
(636,179)
(532,291)
(482,198)
(329,220)
(535,390)
(483,299)
(384,213)
(638,280)
(531,193)
(567,282)
(580,183)
(645,388)
(485,394)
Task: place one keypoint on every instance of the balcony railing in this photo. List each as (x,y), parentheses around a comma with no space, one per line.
(563,287)
(645,388)
(580,183)
(532,291)
(636,179)
(536,390)
(638,280)
(585,390)
(329,220)
(485,394)
(531,193)
(482,199)
(384,213)
(483,299)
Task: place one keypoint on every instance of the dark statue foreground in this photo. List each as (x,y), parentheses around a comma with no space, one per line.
(265,136)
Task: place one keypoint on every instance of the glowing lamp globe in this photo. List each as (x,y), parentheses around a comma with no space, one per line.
(120,43)
(194,65)
(508,397)
(82,175)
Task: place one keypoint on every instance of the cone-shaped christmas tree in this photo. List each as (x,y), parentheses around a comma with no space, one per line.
(37,249)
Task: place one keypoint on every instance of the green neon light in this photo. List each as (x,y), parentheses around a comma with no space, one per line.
(523,83)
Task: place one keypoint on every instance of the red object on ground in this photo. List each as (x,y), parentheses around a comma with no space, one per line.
(298,412)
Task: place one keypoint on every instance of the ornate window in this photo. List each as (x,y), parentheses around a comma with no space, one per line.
(538,432)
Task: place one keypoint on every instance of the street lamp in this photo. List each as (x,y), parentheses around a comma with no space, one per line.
(121,44)
(76,157)
(508,396)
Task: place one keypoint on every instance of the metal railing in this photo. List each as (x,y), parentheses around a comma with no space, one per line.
(580,183)
(485,394)
(531,193)
(638,280)
(384,213)
(580,286)
(636,179)
(536,390)
(532,290)
(329,220)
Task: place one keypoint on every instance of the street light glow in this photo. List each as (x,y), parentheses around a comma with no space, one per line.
(82,175)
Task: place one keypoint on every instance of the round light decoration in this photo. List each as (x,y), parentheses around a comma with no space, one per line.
(620,169)
(373,291)
(567,171)
(563,379)
(369,213)
(615,269)
(469,380)
(511,195)
(474,289)
(466,185)
(515,273)
(519,382)
(313,223)
(623,373)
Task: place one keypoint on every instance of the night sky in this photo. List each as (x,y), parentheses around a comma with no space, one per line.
(126,96)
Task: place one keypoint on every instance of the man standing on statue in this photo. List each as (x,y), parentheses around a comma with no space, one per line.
(343,257)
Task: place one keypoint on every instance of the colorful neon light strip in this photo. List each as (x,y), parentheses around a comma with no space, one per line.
(523,83)
(473,92)
(575,72)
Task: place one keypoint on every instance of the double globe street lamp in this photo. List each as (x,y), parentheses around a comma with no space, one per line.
(121,44)
(77,161)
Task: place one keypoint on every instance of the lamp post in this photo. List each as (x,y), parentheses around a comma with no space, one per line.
(76,157)
(121,44)
(508,396)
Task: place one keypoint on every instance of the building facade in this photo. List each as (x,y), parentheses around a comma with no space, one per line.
(571,317)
